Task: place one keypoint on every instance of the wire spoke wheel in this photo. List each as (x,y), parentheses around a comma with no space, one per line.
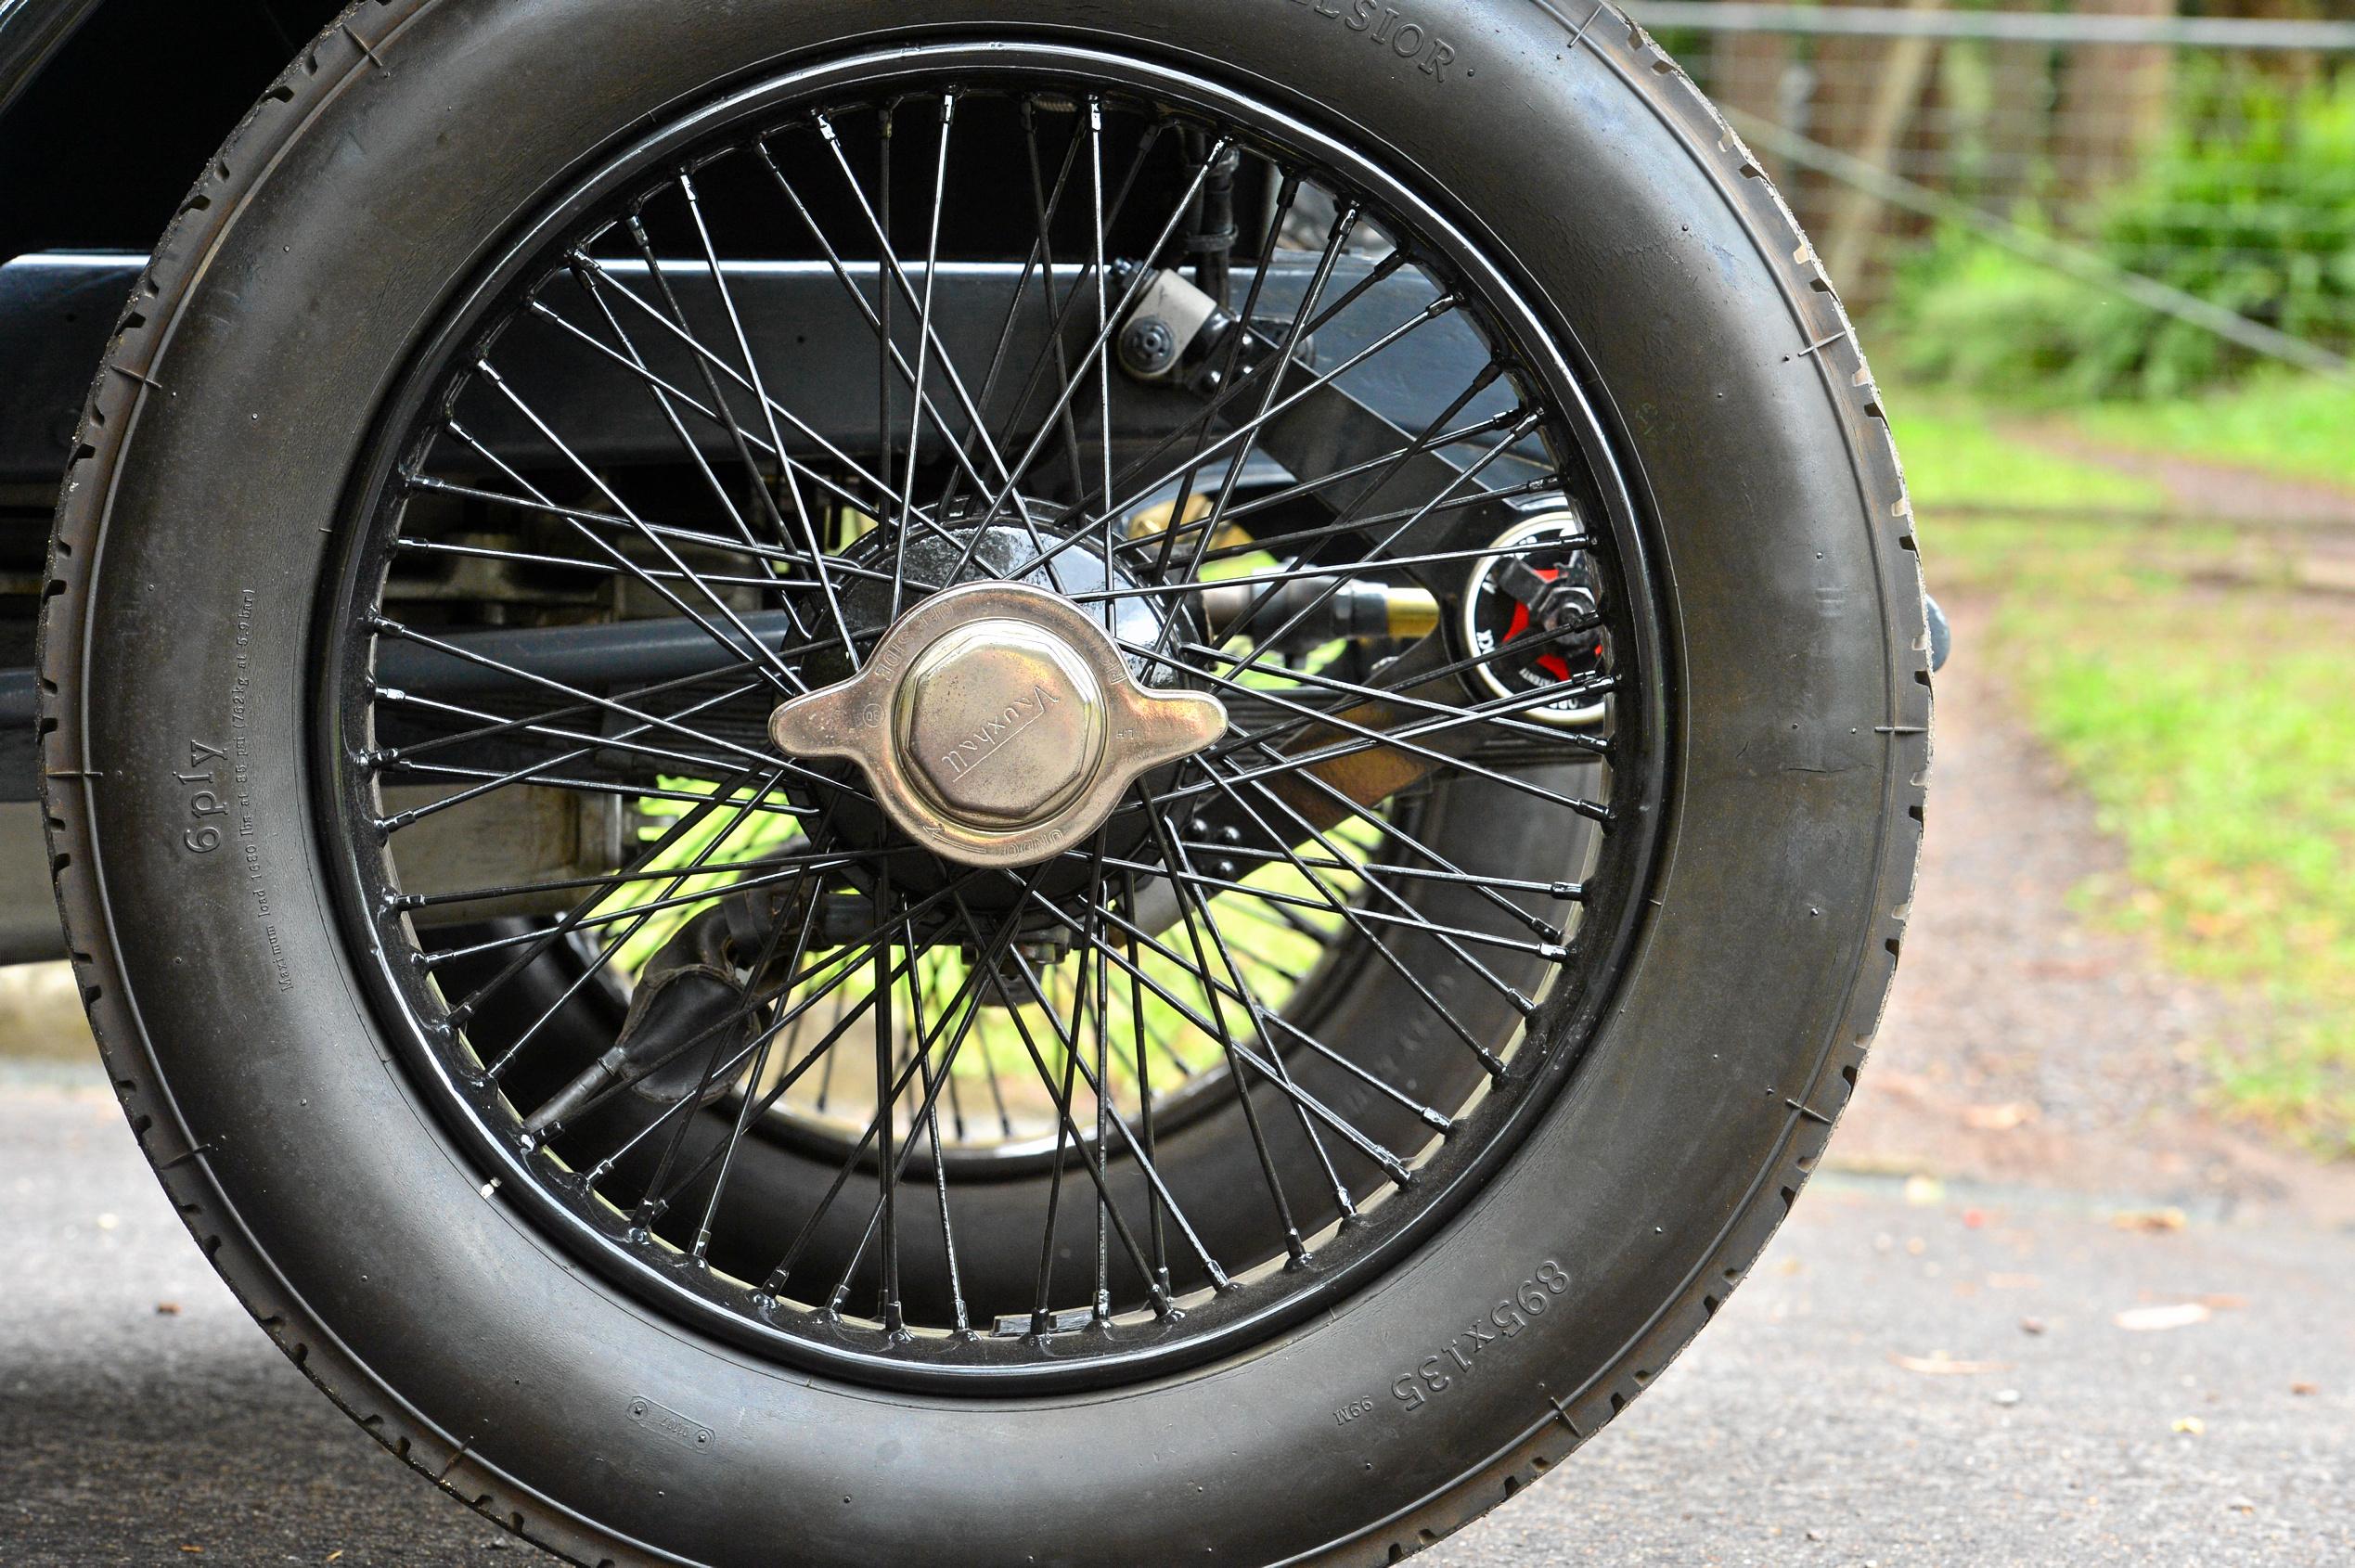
(948,784)
(949,1105)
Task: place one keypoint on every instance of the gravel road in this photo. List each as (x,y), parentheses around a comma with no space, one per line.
(1791,1433)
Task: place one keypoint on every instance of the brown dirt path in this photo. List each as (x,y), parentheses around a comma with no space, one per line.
(2296,532)
(2024,1042)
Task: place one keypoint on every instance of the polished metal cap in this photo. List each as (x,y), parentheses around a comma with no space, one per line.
(997,724)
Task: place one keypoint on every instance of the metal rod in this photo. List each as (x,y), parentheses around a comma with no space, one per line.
(2059,254)
(2007,27)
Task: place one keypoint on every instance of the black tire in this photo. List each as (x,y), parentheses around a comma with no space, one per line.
(187,573)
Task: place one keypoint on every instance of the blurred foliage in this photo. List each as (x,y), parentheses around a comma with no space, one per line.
(2281,420)
(2247,202)
(1955,457)
(2223,759)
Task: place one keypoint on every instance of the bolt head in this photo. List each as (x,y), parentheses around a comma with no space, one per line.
(1148,347)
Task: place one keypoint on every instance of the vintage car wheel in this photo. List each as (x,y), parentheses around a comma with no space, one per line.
(994,784)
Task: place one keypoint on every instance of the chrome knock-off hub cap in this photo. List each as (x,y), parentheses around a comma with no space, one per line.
(997,724)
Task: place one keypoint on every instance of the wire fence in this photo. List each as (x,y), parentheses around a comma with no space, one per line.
(2200,167)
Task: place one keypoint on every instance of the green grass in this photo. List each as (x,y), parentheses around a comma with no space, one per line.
(1270,948)
(1954,456)
(2216,733)
(2225,762)
(2286,423)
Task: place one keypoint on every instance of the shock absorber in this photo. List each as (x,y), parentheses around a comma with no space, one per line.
(1210,235)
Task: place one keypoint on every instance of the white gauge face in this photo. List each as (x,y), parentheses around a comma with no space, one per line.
(1545,559)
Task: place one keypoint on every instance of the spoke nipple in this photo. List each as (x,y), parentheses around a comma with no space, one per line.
(1570,892)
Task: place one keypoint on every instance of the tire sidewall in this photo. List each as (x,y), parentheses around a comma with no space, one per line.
(224,974)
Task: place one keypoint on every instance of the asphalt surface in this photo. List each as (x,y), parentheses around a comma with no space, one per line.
(2022,1425)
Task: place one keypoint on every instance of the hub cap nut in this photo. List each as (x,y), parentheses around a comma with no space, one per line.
(997,724)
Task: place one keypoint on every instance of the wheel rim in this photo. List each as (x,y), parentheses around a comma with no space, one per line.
(1241,1024)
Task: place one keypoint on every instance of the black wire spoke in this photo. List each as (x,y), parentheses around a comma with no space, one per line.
(1438,308)
(1060,311)
(1045,205)
(760,1059)
(487,782)
(407,753)
(1042,1319)
(1147,1166)
(768,406)
(775,555)
(710,357)
(1287,194)
(1589,746)
(1374,551)
(595,568)
(962,1320)
(1241,1051)
(1402,914)
(489,724)
(875,314)
(782,673)
(668,898)
(1103,338)
(388,627)
(595,894)
(1166,538)
(611,880)
(891,273)
(1244,380)
(483,781)
(669,405)
(1344,224)
(1196,907)
(818,980)
(963,1007)
(1300,765)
